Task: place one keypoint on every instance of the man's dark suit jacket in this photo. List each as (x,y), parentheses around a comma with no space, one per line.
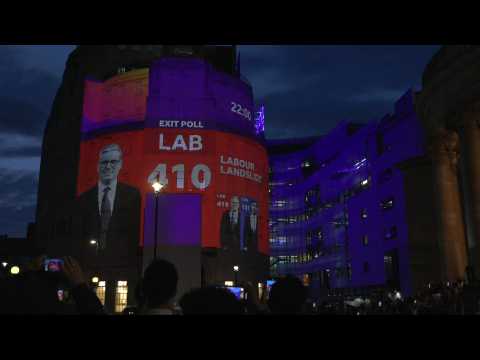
(123,231)
(251,237)
(229,233)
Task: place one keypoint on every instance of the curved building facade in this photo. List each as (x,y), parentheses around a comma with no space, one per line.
(180,116)
(344,213)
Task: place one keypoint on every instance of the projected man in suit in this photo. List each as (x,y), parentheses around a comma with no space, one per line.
(230,226)
(251,231)
(110,212)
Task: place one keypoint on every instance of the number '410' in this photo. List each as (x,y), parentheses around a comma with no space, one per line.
(199,171)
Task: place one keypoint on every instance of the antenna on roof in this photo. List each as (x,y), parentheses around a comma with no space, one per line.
(238,63)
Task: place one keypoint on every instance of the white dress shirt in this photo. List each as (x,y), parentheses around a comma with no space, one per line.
(111,194)
(253,222)
(234,217)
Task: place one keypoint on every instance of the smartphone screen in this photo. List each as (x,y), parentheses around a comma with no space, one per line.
(269,286)
(238,292)
(53,265)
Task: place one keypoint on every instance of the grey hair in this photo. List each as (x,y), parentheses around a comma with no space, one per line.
(111,147)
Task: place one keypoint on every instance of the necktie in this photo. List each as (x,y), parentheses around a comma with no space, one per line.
(105,215)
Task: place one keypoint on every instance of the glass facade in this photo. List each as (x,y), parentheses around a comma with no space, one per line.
(326,224)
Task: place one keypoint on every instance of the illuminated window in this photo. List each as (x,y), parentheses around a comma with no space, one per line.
(306,279)
(260,290)
(100,291)
(306,164)
(364,214)
(360,163)
(365,240)
(280,203)
(121,296)
(387,204)
(391,233)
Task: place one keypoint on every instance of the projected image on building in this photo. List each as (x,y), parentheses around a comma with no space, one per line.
(192,129)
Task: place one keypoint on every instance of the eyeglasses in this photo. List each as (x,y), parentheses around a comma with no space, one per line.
(113,163)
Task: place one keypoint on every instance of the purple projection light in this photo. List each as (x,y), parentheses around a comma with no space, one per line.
(260,120)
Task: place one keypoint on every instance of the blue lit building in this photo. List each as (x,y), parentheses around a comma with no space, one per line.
(338,212)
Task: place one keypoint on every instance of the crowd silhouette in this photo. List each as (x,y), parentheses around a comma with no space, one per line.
(35,292)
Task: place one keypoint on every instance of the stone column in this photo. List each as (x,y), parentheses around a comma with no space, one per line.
(451,232)
(471,122)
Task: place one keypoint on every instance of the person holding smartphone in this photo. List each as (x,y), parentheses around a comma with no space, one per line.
(35,291)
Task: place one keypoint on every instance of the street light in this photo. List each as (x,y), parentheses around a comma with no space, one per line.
(157,187)
(94,243)
(95,280)
(4,264)
(15,270)
(236,269)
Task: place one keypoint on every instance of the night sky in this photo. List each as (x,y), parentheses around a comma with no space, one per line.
(306,91)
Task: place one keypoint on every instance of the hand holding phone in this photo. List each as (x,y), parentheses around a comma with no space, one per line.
(53,265)
(73,271)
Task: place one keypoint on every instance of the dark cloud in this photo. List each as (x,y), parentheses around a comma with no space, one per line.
(27,151)
(307,90)
(18,197)
(26,95)
(21,117)
(14,222)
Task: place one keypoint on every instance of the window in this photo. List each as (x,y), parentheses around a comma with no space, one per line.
(319,234)
(100,291)
(312,195)
(391,233)
(363,214)
(306,164)
(306,279)
(365,240)
(360,163)
(280,203)
(387,204)
(121,296)
(385,176)
(366,267)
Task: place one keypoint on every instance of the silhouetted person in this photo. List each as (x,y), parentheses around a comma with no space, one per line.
(159,287)
(35,292)
(211,301)
(287,296)
(140,301)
